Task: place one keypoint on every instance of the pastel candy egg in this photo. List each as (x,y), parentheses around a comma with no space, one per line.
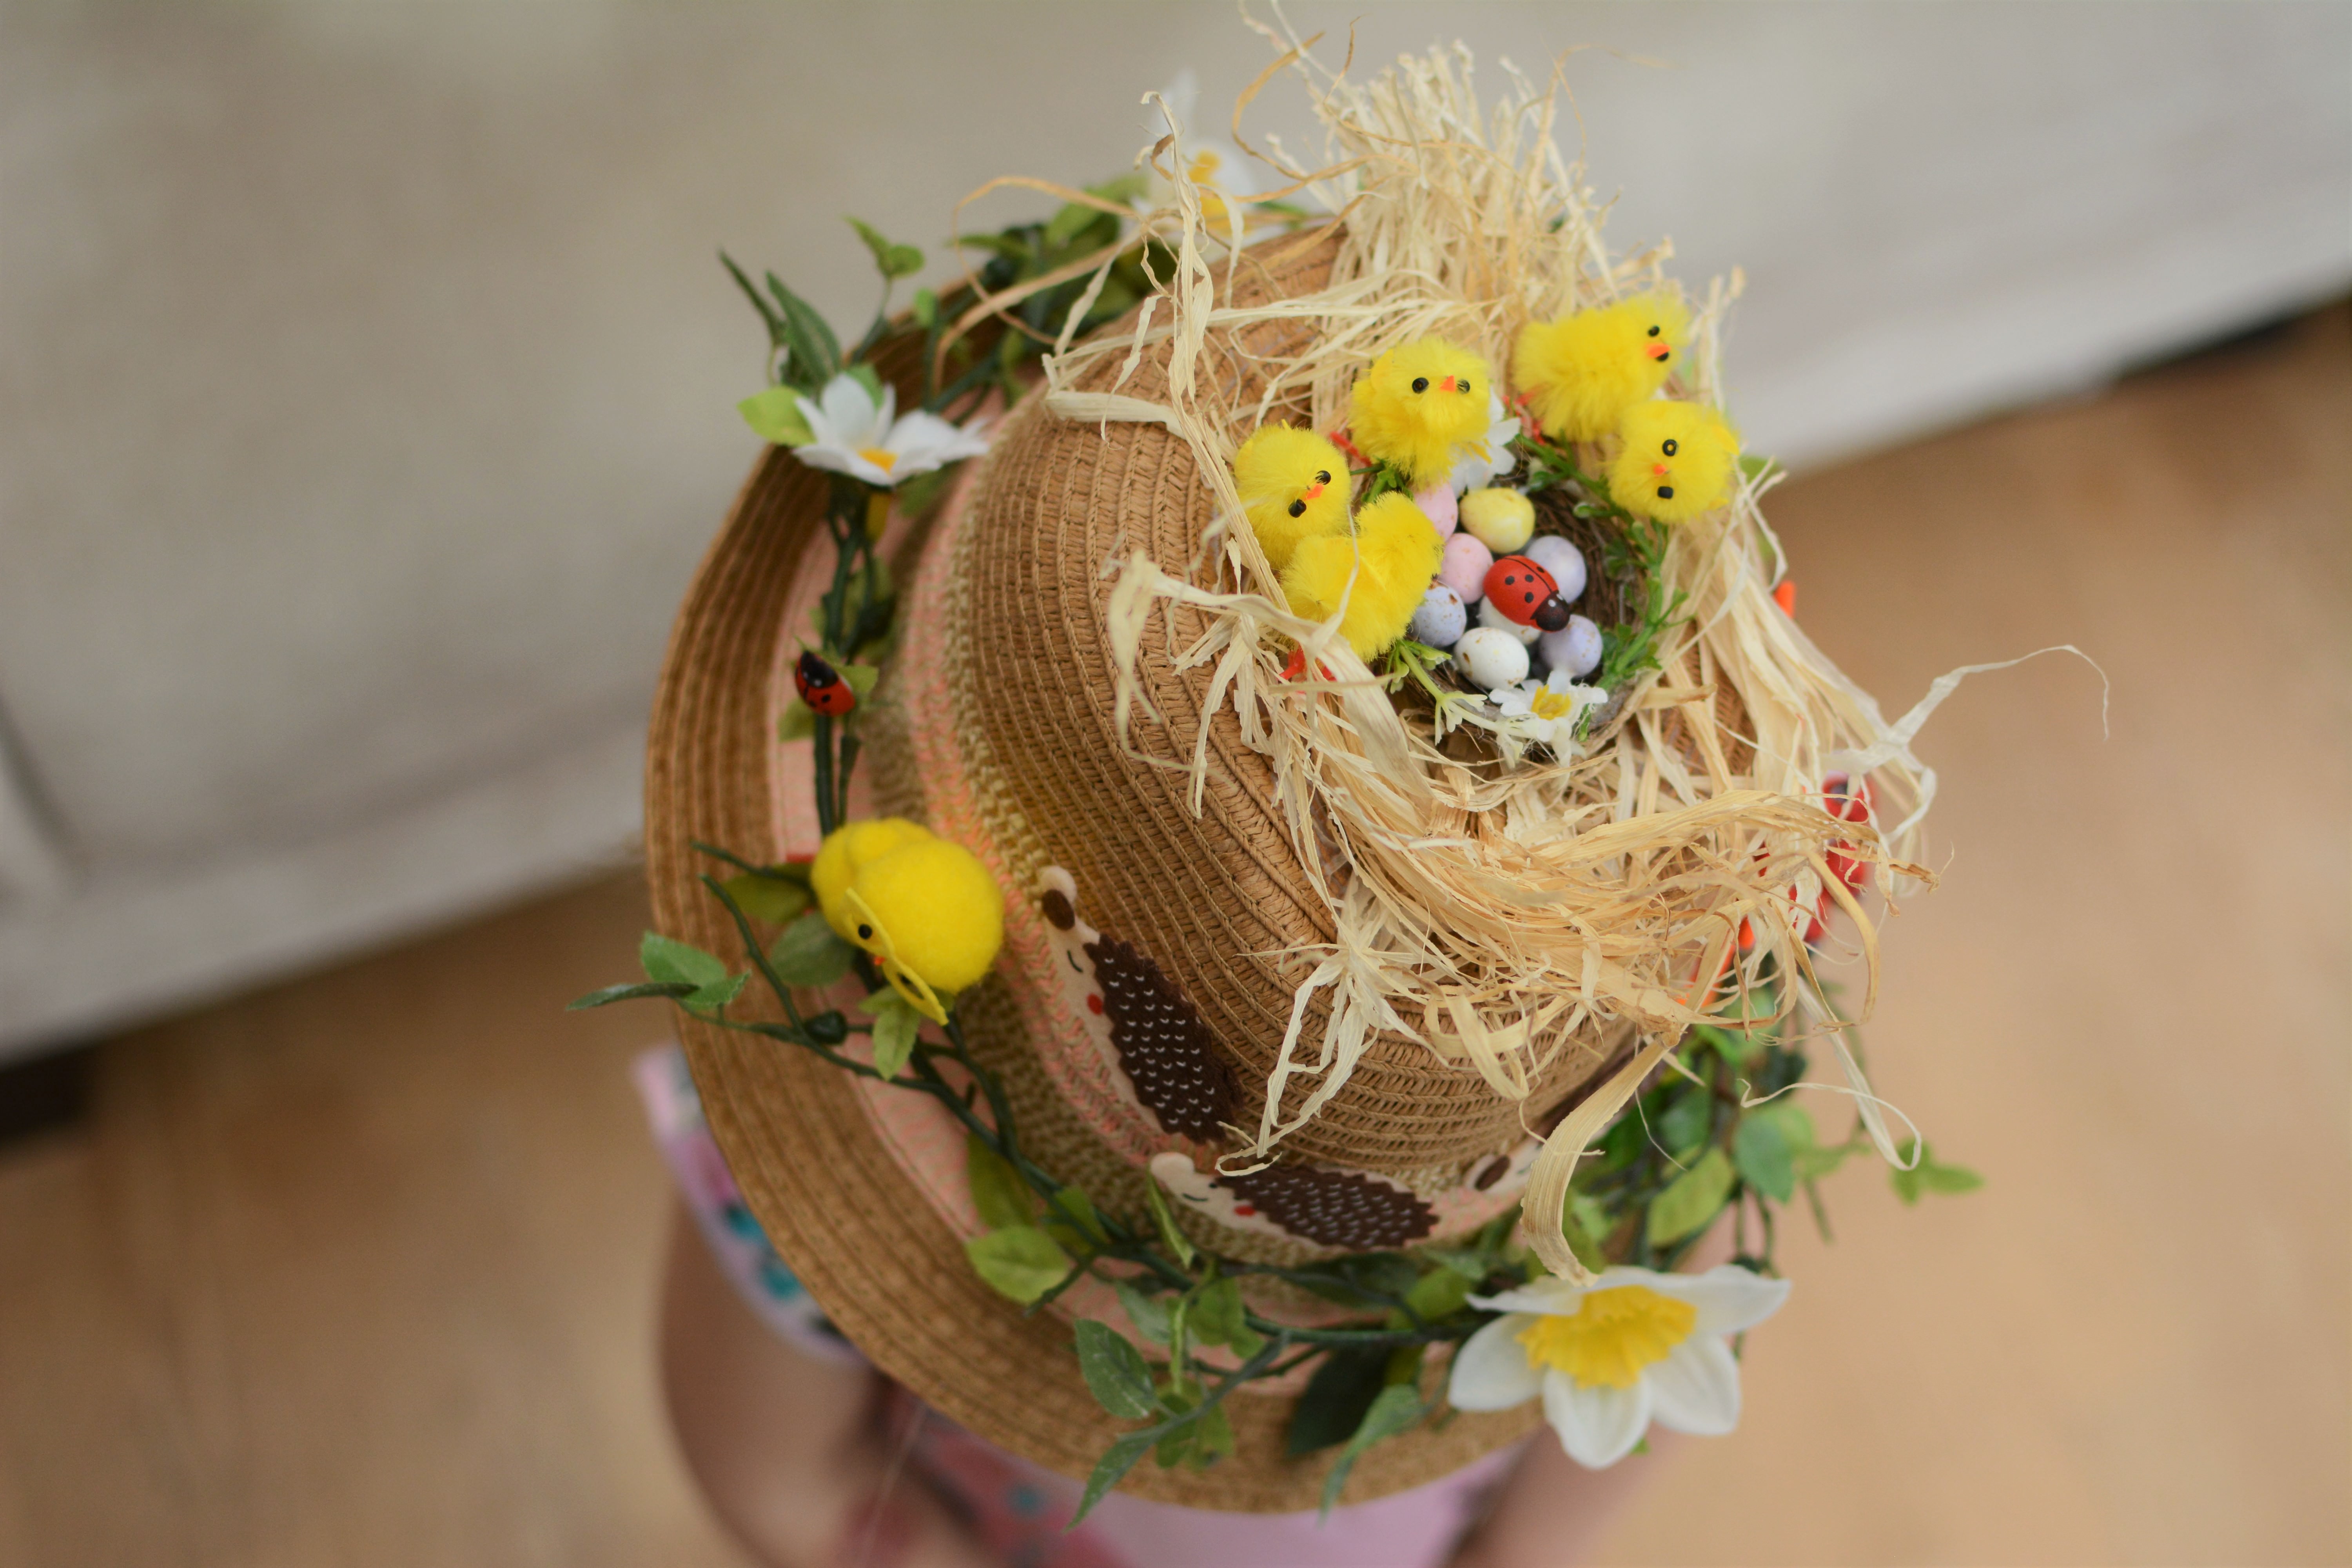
(1502,520)
(1440,618)
(1575,648)
(1464,566)
(1564,561)
(1437,504)
(1494,619)
(1491,659)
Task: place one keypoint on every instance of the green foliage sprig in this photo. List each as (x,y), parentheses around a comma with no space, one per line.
(1680,1154)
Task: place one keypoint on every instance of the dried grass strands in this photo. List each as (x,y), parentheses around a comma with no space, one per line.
(1506,905)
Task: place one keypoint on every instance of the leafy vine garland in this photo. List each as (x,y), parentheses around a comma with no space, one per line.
(1707,1137)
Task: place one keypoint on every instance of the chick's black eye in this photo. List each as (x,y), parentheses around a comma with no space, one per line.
(1673,445)
(1464,385)
(1421,384)
(865,933)
(1323,476)
(1653,331)
(1298,508)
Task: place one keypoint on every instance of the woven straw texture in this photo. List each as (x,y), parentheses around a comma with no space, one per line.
(887,1270)
(1217,899)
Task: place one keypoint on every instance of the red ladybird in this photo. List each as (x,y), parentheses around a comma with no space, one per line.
(1524,593)
(821,686)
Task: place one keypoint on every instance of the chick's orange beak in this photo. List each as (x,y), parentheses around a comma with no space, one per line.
(1657,467)
(1659,351)
(1311,491)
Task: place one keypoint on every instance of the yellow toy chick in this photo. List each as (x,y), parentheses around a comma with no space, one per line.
(1400,550)
(1673,461)
(1294,486)
(1583,370)
(1418,406)
(925,906)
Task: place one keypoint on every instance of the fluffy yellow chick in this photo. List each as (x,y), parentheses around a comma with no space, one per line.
(845,850)
(1674,461)
(1400,550)
(933,916)
(1583,370)
(1294,486)
(1417,406)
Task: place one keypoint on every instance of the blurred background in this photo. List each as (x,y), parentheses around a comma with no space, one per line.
(367,402)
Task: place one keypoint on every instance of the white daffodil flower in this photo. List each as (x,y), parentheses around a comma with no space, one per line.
(1610,1357)
(859,435)
(1475,469)
(1547,710)
(1212,163)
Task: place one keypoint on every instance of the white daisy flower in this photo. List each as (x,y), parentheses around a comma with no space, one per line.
(1610,1357)
(857,435)
(1484,462)
(1213,164)
(1546,710)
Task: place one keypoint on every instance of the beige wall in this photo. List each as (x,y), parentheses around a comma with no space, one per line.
(366,399)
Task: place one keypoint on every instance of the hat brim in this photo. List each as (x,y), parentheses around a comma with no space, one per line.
(889,1271)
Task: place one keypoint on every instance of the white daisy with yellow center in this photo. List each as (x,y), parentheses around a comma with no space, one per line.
(1608,1358)
(1482,463)
(1547,710)
(861,435)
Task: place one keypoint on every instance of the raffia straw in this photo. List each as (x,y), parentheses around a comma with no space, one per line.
(1503,904)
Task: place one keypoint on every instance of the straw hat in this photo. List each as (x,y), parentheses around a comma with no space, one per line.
(1256,950)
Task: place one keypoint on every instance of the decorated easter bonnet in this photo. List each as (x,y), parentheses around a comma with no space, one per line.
(1246,838)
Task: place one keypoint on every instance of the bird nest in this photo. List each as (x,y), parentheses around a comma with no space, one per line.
(1524,896)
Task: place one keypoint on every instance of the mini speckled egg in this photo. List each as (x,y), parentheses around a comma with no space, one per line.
(1575,648)
(1564,561)
(1440,618)
(1437,504)
(1491,659)
(1464,566)
(1502,520)
(1495,620)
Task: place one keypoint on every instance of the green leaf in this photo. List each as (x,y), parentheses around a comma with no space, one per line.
(1949,1179)
(1440,1293)
(1081,1233)
(1927,1176)
(809,954)
(1177,1241)
(998,1192)
(1115,1372)
(1148,1313)
(890,260)
(1066,223)
(1585,1227)
(796,722)
(861,677)
(1213,1438)
(813,354)
(663,958)
(1336,1397)
(1760,1150)
(1694,1198)
(775,415)
(1217,1317)
(1020,1261)
(776,900)
(866,376)
(717,994)
(1752,465)
(894,1023)
(768,317)
(926,309)
(1117,1460)
(1733,1045)
(630,993)
(1397,1407)
(1683,1128)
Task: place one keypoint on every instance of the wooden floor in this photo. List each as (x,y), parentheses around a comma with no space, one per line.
(358,1270)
